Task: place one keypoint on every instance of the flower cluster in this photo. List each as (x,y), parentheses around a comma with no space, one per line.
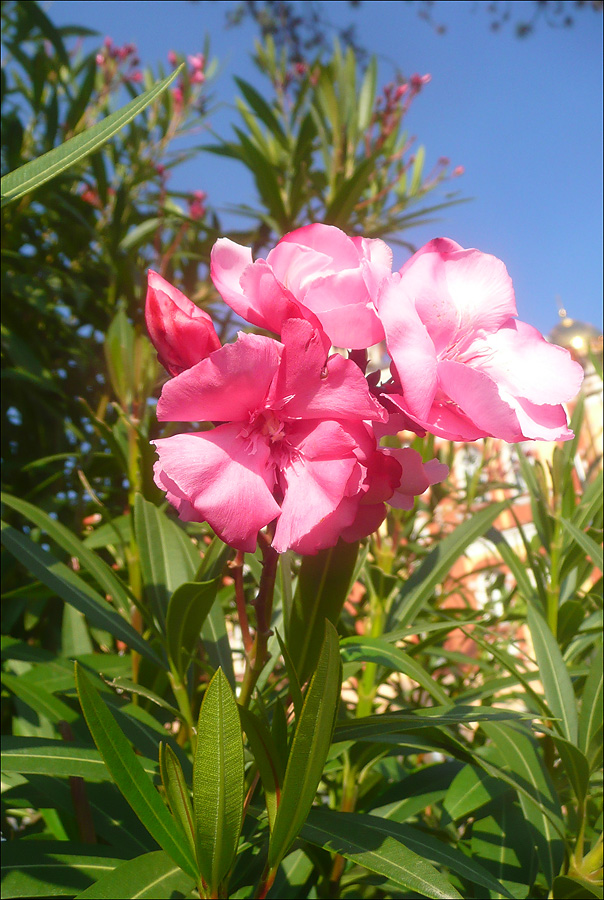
(296,436)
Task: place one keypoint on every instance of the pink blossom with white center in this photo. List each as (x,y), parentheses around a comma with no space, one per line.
(316,270)
(465,366)
(293,445)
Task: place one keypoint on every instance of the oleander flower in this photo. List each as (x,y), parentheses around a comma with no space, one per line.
(182,333)
(464,365)
(313,271)
(293,445)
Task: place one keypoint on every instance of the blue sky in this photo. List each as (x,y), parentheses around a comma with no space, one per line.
(524,118)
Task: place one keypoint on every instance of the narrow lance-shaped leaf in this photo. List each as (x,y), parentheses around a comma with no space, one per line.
(323,585)
(167,556)
(72,589)
(53,868)
(518,755)
(587,543)
(129,775)
(309,748)
(365,840)
(265,754)
(218,782)
(152,875)
(379,651)
(177,792)
(556,681)
(590,719)
(35,173)
(66,539)
(187,610)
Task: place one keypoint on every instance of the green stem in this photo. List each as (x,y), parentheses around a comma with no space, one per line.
(553,587)
(184,704)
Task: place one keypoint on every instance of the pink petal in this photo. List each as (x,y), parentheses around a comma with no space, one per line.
(229,385)
(342,304)
(444,419)
(269,303)
(541,422)
(457,292)
(182,333)
(416,478)
(367,520)
(326,240)
(309,387)
(478,397)
(409,345)
(215,477)
(524,364)
(228,261)
(321,472)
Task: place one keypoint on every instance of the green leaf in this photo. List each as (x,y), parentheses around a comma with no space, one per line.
(590,717)
(418,168)
(292,676)
(418,590)
(593,550)
(516,565)
(368,649)
(517,754)
(265,754)
(72,589)
(309,748)
(367,96)
(430,848)
(153,876)
(43,702)
(567,887)
(129,775)
(349,193)
(216,642)
(214,560)
(112,818)
(52,868)
(65,538)
(323,585)
(37,172)
(556,681)
(378,726)
(218,782)
(262,110)
(502,843)
(470,789)
(368,841)
(40,756)
(168,558)
(187,610)
(265,176)
(177,792)
(576,766)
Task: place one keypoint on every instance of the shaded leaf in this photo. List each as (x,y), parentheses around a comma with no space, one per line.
(218,781)
(309,748)
(129,775)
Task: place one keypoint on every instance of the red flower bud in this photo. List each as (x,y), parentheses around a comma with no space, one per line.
(182,333)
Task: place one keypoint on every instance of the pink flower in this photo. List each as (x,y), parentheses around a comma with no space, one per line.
(182,333)
(316,269)
(293,446)
(197,208)
(466,367)
(172,58)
